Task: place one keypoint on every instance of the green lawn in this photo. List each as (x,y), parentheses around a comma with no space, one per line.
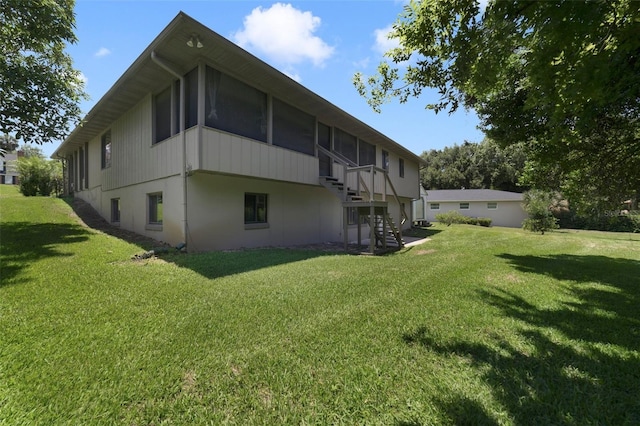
(476,326)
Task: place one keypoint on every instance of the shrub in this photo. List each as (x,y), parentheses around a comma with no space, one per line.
(538,205)
(453,216)
(38,176)
(484,221)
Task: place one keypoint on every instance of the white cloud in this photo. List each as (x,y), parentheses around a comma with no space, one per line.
(383,43)
(284,34)
(103,51)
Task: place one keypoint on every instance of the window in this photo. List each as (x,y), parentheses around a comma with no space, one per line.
(86,165)
(367,154)
(81,169)
(106,149)
(345,144)
(235,107)
(492,205)
(115,210)
(401,167)
(155,209)
(385,160)
(434,206)
(292,128)
(162,116)
(191,98)
(464,206)
(255,209)
(324,140)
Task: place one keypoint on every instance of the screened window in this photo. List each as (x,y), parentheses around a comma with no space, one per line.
(81,168)
(235,107)
(401,167)
(345,144)
(492,205)
(115,210)
(385,160)
(324,140)
(367,154)
(292,128)
(106,149)
(464,206)
(434,206)
(86,165)
(255,208)
(155,209)
(191,98)
(162,115)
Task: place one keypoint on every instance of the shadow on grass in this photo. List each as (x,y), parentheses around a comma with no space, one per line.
(90,217)
(25,242)
(579,363)
(421,232)
(219,264)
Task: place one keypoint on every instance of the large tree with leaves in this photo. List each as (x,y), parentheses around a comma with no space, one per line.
(39,88)
(562,76)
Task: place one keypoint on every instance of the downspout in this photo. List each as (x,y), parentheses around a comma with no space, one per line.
(183,173)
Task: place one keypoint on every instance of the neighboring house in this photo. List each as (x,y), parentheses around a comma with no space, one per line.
(504,208)
(199,142)
(9,169)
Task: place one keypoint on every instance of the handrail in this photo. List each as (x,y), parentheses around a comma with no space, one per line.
(351,167)
(395,194)
(337,156)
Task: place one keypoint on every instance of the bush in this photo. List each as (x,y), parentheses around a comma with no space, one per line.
(453,216)
(38,176)
(538,205)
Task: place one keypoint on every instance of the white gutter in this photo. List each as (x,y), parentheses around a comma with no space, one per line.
(183,173)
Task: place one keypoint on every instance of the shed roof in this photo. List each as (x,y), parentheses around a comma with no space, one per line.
(144,76)
(468,195)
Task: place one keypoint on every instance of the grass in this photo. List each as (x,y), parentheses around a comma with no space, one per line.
(477,325)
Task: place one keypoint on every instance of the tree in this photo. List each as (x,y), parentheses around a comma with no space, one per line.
(539,205)
(39,88)
(29,151)
(474,166)
(562,77)
(7,144)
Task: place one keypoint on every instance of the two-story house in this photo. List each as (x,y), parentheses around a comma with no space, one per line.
(200,142)
(8,168)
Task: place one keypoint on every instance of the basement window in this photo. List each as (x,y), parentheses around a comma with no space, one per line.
(115,210)
(155,210)
(255,211)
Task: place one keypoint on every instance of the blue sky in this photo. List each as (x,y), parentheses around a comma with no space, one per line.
(321,44)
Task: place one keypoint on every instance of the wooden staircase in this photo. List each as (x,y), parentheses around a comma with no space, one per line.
(370,188)
(337,188)
(386,231)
